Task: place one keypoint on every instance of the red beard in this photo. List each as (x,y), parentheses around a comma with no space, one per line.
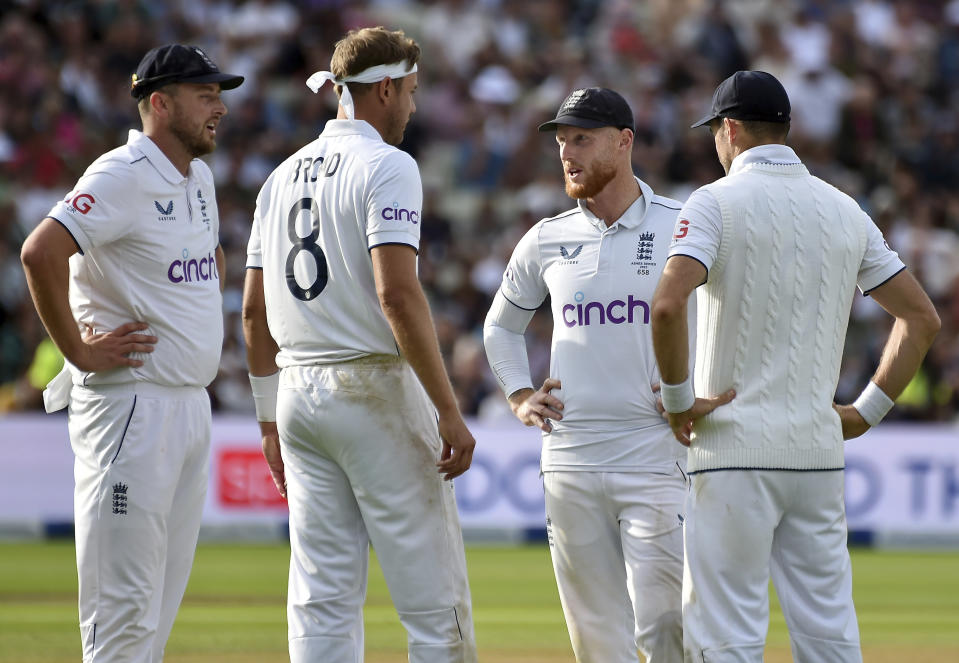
(594,182)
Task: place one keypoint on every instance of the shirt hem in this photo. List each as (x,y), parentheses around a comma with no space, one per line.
(767,469)
(765,459)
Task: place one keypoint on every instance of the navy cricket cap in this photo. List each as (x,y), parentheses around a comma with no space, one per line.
(176,63)
(749,95)
(591,108)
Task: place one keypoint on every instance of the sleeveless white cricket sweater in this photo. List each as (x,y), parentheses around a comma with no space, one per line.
(772,320)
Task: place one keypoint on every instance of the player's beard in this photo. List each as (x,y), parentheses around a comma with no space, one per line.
(192,136)
(395,129)
(595,181)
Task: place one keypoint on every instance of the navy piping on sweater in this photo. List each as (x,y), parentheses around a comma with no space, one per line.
(866,294)
(697,260)
(768,469)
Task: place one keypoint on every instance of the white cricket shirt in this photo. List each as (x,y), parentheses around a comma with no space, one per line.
(147,238)
(316,219)
(601,282)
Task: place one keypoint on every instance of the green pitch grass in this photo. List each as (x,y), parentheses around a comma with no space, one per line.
(234,609)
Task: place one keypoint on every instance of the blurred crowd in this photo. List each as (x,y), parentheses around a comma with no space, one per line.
(874,86)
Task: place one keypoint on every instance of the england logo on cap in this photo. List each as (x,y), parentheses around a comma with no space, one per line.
(206,59)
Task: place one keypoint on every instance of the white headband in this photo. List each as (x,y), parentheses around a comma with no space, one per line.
(371,75)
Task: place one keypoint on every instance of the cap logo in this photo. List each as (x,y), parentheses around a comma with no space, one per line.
(571,101)
(207,61)
(133,84)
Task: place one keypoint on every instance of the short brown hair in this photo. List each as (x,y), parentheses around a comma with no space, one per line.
(772,131)
(361,49)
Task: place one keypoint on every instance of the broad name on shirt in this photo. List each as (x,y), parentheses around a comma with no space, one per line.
(310,167)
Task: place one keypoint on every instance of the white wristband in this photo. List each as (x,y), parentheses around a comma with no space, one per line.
(264,395)
(873,404)
(677,397)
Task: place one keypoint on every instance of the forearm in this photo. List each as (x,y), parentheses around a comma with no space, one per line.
(916,325)
(506,352)
(409,317)
(671,340)
(268,429)
(49,281)
(261,349)
(220,258)
(670,327)
(902,355)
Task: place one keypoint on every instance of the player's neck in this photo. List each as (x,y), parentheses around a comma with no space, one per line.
(615,198)
(173,149)
(375,120)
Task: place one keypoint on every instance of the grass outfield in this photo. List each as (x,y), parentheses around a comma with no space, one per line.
(234,609)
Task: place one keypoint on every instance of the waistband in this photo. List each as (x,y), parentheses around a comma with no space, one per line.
(365,360)
(148,389)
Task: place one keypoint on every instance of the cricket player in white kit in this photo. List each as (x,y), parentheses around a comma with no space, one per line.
(613,479)
(776,255)
(126,273)
(365,425)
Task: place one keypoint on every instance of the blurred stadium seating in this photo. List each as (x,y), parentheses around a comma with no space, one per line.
(874,84)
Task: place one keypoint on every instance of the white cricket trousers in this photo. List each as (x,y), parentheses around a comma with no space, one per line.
(739,525)
(141,461)
(617,547)
(359,442)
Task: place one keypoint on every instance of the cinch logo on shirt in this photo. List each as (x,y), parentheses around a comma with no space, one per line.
(397,213)
(616,312)
(191,269)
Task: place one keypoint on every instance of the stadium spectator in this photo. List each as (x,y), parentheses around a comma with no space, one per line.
(64,71)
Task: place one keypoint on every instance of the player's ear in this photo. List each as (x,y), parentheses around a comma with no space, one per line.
(385,89)
(732,128)
(159,103)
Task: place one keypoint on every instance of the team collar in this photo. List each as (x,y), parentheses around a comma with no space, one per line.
(350,127)
(633,215)
(769,153)
(155,155)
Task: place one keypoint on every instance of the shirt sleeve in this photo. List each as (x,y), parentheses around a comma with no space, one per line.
(97,211)
(879,263)
(254,247)
(395,202)
(699,229)
(523,283)
(506,345)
